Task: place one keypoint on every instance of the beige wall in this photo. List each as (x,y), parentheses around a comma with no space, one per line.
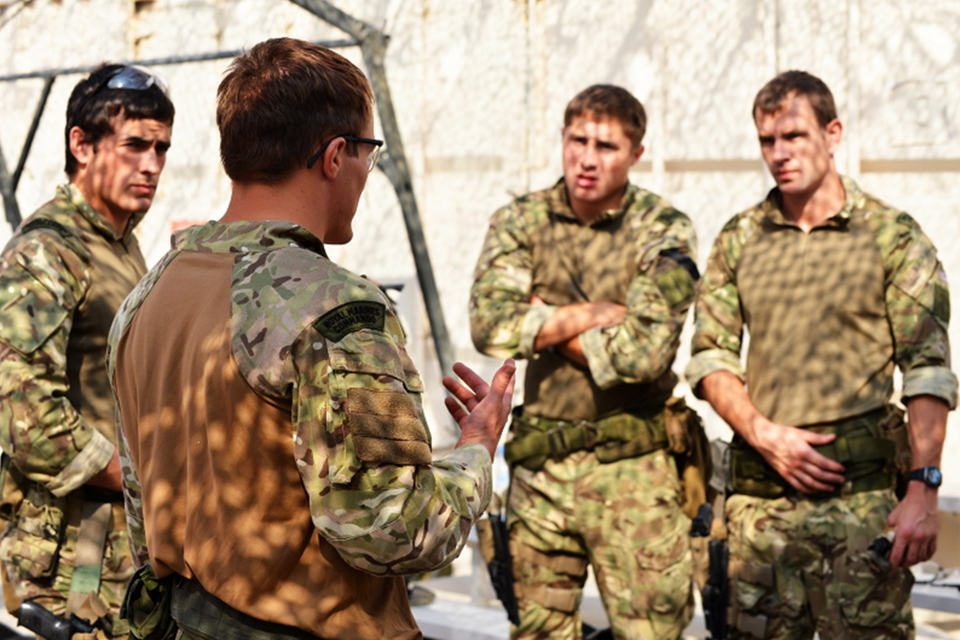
(480,88)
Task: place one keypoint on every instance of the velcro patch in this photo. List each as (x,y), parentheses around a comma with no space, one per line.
(386,427)
(351,317)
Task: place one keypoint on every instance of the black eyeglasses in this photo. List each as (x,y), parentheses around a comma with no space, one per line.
(132,77)
(371,159)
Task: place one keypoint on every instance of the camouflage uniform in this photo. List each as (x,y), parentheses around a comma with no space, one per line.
(63,276)
(279,456)
(830,313)
(621,516)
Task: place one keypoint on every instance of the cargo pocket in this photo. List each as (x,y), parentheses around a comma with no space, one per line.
(34,544)
(383,407)
(869,598)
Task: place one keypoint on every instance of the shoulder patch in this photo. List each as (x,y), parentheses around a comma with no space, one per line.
(684,261)
(46,223)
(351,317)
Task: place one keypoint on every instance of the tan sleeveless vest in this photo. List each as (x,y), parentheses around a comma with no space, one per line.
(582,263)
(222,498)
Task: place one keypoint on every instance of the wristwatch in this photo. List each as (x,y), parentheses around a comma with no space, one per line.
(930,476)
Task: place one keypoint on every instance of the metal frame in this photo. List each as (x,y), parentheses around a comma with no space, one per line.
(393,163)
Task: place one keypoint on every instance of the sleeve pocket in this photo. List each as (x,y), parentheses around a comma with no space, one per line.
(383,411)
(31,313)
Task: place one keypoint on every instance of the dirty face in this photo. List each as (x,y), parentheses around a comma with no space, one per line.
(597,156)
(797,150)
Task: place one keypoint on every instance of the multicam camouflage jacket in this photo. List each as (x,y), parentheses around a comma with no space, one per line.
(829,312)
(324,346)
(62,277)
(641,255)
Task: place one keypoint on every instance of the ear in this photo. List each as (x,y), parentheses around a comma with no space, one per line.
(637,153)
(333,158)
(82,150)
(834,130)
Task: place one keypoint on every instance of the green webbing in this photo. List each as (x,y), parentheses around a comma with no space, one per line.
(868,459)
(537,439)
(203,616)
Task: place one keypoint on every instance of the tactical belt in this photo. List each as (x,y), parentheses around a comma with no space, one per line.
(868,462)
(624,435)
(202,616)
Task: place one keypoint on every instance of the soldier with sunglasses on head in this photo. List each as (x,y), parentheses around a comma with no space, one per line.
(62,277)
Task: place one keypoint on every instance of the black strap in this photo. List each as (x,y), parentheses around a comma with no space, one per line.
(202,615)
(46,223)
(684,261)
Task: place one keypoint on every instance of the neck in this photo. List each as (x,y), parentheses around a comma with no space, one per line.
(259,202)
(587,211)
(809,210)
(117,219)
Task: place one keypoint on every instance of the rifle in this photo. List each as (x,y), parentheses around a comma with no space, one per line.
(716,593)
(495,548)
(45,624)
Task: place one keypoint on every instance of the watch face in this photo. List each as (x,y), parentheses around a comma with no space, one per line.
(934,477)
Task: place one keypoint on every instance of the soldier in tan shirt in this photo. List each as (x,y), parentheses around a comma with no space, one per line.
(277,463)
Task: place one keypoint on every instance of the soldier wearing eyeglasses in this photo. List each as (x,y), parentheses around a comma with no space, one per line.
(277,460)
(62,277)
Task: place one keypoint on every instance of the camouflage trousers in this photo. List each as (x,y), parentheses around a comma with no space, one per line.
(52,592)
(821,578)
(624,519)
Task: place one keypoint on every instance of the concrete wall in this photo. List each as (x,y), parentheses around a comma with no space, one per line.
(480,87)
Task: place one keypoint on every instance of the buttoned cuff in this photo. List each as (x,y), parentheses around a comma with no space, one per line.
(472,460)
(533,321)
(593,344)
(91,460)
(710,361)
(939,382)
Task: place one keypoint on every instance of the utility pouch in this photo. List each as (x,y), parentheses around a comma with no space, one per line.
(33,547)
(11,489)
(691,451)
(146,606)
(894,427)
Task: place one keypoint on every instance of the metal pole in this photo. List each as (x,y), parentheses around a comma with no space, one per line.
(11,209)
(393,163)
(32,132)
(158,62)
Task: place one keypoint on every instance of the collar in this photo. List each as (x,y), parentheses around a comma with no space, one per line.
(773,206)
(246,237)
(72,193)
(558,201)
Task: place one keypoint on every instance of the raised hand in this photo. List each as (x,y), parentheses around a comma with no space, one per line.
(479,408)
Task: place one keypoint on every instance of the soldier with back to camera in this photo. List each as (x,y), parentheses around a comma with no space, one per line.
(277,463)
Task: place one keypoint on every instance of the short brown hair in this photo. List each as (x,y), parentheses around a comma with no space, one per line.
(607,100)
(800,83)
(280,101)
(93,106)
